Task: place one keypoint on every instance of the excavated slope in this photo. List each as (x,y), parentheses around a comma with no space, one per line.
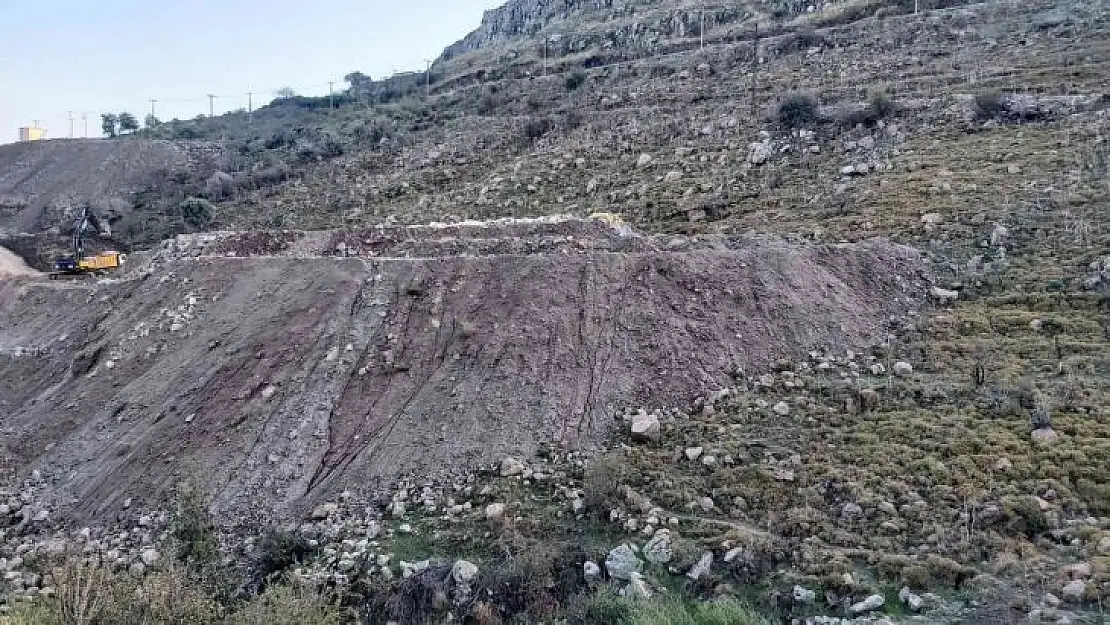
(341,361)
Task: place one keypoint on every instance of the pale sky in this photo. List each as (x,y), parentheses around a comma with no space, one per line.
(90,57)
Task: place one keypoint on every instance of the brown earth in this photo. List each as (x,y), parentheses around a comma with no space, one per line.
(278,380)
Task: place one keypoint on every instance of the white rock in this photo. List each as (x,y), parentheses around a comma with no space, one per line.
(622,562)
(636,588)
(644,160)
(511,466)
(874,602)
(851,510)
(150,557)
(782,409)
(591,571)
(324,511)
(693,453)
(702,567)
(912,601)
(1075,589)
(758,153)
(902,368)
(495,512)
(464,572)
(733,553)
(645,427)
(658,550)
(804,595)
(672,176)
(1044,436)
(944,296)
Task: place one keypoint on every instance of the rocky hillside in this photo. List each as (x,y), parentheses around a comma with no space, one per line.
(786,159)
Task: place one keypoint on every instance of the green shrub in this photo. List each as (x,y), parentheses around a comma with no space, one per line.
(675,611)
(797,109)
(197,212)
(575,80)
(989,105)
(275,552)
(292,604)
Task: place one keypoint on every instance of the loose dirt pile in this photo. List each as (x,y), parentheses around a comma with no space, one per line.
(12,265)
(279,378)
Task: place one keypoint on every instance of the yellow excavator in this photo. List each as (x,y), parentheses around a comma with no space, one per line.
(78,265)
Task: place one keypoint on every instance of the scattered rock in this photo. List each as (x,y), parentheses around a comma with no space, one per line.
(913,602)
(874,602)
(511,466)
(622,562)
(693,453)
(658,550)
(495,512)
(636,588)
(706,504)
(591,571)
(944,296)
(644,160)
(645,427)
(902,368)
(324,511)
(851,510)
(702,567)
(1044,436)
(464,572)
(782,409)
(1075,589)
(804,595)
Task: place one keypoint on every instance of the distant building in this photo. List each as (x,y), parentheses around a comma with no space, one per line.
(32,133)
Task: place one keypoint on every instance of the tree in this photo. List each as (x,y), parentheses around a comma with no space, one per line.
(197,212)
(128,122)
(361,84)
(109,124)
(286,92)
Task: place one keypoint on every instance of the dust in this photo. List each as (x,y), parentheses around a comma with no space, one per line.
(13,266)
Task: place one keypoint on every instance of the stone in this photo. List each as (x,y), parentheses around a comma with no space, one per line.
(782,409)
(645,427)
(324,511)
(622,562)
(1044,436)
(944,296)
(672,176)
(1003,465)
(902,368)
(702,567)
(637,588)
(733,553)
(913,602)
(693,453)
(706,504)
(1077,571)
(758,153)
(511,466)
(644,160)
(851,510)
(658,550)
(464,572)
(150,557)
(874,602)
(877,369)
(1052,600)
(495,512)
(137,569)
(804,595)
(1104,546)
(1074,590)
(591,571)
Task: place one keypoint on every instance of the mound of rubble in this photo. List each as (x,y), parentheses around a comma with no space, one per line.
(281,368)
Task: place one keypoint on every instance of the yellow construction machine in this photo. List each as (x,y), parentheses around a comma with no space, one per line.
(78,264)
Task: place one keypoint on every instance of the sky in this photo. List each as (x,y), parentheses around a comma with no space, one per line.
(87,57)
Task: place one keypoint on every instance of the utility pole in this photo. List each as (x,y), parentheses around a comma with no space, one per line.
(85,119)
(211,105)
(428,75)
(545,55)
(153,103)
(250,107)
(71,124)
(755,68)
(331,94)
(701,29)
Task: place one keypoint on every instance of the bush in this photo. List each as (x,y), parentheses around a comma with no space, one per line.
(219,185)
(197,212)
(288,604)
(882,105)
(537,127)
(797,109)
(276,552)
(575,80)
(989,105)
(269,176)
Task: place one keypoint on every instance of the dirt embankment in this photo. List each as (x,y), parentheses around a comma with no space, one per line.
(12,265)
(277,380)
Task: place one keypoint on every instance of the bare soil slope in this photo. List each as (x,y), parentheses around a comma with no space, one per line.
(281,378)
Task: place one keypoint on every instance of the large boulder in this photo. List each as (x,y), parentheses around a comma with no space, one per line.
(622,562)
(645,427)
